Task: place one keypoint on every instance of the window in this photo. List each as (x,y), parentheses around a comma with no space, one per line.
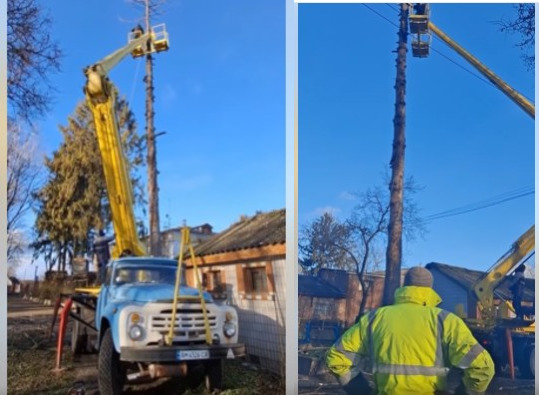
(146,274)
(212,280)
(323,309)
(255,281)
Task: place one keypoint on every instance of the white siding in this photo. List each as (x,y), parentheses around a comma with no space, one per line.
(261,322)
(451,293)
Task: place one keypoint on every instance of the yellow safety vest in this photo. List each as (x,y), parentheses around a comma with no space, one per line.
(410,346)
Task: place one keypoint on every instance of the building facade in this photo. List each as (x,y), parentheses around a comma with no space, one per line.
(244,266)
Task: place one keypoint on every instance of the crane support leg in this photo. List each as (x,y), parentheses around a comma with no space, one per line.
(509,342)
(61,333)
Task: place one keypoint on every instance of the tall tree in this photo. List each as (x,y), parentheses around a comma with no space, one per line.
(394,243)
(151,7)
(32,54)
(74,203)
(23,175)
(523,25)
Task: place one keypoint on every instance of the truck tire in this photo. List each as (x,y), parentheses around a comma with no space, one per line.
(213,379)
(111,375)
(526,362)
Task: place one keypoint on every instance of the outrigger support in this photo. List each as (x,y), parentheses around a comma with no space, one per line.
(65,303)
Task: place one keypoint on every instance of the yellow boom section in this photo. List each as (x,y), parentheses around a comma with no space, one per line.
(116,172)
(519,99)
(484,288)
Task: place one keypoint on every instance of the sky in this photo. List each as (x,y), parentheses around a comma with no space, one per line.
(466,142)
(219,96)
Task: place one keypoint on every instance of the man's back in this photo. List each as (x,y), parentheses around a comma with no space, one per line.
(407,340)
(410,346)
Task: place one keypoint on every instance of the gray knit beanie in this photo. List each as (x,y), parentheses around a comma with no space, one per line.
(418,276)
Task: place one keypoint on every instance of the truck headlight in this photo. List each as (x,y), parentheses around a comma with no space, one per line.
(229,329)
(135,332)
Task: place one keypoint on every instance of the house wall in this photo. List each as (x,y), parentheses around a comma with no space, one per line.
(323,309)
(355,295)
(451,293)
(261,321)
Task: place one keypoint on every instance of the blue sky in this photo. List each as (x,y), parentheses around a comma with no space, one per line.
(219,96)
(466,141)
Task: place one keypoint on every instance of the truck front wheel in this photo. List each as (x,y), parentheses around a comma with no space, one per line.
(213,378)
(111,374)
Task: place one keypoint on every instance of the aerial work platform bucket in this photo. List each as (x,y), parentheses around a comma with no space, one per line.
(419,28)
(419,18)
(419,24)
(420,49)
(158,43)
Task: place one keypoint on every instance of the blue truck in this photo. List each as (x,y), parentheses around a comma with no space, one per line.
(133,316)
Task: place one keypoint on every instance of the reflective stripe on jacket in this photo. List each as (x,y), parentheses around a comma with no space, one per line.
(410,346)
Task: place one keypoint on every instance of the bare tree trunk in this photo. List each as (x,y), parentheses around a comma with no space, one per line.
(153,189)
(394,245)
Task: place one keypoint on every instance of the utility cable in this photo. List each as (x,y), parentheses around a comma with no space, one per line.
(486,81)
(134,83)
(475,206)
(494,198)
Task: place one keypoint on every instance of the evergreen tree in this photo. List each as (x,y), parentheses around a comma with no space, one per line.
(73,203)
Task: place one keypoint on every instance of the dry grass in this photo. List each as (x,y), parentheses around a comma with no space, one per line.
(31,358)
(32,355)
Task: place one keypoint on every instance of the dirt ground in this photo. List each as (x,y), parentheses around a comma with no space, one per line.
(32,356)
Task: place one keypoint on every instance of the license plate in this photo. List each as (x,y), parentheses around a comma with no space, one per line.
(186,355)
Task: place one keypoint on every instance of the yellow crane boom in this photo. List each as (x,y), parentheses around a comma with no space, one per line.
(421,28)
(484,287)
(519,99)
(101,96)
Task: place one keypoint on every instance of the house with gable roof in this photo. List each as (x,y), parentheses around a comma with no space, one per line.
(454,285)
(244,266)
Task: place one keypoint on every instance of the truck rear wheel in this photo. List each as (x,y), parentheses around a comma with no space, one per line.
(213,378)
(111,374)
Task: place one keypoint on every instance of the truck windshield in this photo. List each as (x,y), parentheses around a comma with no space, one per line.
(147,274)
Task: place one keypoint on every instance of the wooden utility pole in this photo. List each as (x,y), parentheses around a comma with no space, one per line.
(396,186)
(153,189)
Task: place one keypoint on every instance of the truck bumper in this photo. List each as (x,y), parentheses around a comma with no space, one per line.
(173,353)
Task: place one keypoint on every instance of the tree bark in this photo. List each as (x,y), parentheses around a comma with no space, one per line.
(394,245)
(153,190)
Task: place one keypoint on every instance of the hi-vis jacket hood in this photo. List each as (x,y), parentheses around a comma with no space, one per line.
(410,346)
(419,295)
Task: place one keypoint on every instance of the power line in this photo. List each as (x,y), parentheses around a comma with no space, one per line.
(380,15)
(479,205)
(393,8)
(486,81)
(475,207)
(492,199)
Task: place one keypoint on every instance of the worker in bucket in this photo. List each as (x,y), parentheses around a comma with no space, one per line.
(410,346)
(102,252)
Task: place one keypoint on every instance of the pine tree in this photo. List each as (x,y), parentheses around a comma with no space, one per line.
(73,203)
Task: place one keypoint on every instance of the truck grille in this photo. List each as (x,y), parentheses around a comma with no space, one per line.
(189,323)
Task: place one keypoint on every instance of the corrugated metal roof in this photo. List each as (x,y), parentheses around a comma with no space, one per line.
(259,230)
(466,278)
(314,286)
